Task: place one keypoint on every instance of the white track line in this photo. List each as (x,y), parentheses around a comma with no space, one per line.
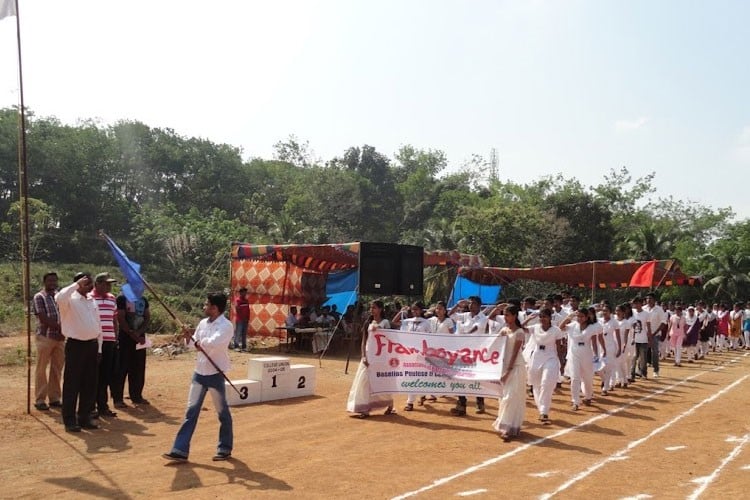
(642,440)
(705,481)
(524,447)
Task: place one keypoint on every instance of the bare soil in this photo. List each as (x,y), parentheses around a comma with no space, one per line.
(660,438)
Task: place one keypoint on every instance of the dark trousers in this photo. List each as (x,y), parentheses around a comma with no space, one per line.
(79,380)
(641,350)
(462,401)
(133,367)
(107,374)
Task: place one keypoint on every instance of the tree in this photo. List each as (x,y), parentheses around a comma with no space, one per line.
(730,275)
(294,152)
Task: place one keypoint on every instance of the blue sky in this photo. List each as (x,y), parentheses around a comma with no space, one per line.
(570,87)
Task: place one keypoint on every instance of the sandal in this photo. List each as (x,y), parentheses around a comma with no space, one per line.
(422,400)
(408,407)
(389,411)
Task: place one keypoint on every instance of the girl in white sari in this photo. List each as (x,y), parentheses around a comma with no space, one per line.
(360,400)
(513,377)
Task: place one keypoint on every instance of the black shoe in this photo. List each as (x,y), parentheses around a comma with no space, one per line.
(222,455)
(55,404)
(107,413)
(120,404)
(41,406)
(480,409)
(140,401)
(94,415)
(458,411)
(174,457)
(73,428)
(88,425)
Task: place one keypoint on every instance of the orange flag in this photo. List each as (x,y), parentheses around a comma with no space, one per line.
(643,277)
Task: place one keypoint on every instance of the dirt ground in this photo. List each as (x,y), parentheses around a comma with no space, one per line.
(684,435)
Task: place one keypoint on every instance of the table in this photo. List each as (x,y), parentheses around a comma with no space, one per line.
(317,335)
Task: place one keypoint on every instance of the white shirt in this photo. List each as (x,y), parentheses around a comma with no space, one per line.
(640,320)
(497,324)
(418,324)
(657,317)
(579,341)
(465,323)
(445,326)
(610,339)
(291,320)
(544,345)
(213,337)
(79,316)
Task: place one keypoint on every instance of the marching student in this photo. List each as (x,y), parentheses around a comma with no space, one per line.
(692,329)
(544,365)
(735,326)
(581,329)
(612,348)
(472,322)
(512,403)
(677,331)
(626,360)
(414,323)
(360,400)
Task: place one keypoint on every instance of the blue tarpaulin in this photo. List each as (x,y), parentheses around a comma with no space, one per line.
(464,288)
(341,289)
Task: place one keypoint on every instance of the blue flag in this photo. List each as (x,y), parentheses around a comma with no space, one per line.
(133,289)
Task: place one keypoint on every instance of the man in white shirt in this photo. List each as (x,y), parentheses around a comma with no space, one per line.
(658,322)
(211,338)
(642,335)
(79,321)
(473,321)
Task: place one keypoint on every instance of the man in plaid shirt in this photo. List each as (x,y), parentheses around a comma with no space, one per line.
(50,346)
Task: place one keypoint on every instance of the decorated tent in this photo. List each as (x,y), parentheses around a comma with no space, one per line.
(597,274)
(278,276)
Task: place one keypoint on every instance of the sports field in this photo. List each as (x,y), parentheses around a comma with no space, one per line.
(684,435)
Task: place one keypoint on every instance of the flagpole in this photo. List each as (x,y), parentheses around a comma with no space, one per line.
(174,317)
(23,192)
(669,268)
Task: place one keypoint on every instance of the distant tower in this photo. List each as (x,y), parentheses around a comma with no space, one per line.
(493,165)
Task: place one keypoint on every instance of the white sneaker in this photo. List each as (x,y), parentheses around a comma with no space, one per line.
(656,375)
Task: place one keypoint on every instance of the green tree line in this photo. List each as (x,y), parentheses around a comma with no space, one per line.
(174,203)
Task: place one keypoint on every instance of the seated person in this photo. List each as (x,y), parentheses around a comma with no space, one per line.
(304,320)
(291,318)
(325,318)
(335,312)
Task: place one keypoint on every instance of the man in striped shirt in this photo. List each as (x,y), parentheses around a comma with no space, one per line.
(106,303)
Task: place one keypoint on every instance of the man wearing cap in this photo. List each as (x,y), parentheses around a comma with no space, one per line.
(106,304)
(79,320)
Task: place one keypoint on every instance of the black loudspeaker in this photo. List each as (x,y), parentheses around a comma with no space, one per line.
(390,269)
(411,274)
(378,268)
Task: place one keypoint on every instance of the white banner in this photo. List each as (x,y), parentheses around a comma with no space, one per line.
(436,364)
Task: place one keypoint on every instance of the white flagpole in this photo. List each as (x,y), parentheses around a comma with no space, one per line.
(10,8)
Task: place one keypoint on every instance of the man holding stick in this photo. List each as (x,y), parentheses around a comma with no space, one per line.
(211,338)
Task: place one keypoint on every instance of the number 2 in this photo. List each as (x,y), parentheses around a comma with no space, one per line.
(301,382)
